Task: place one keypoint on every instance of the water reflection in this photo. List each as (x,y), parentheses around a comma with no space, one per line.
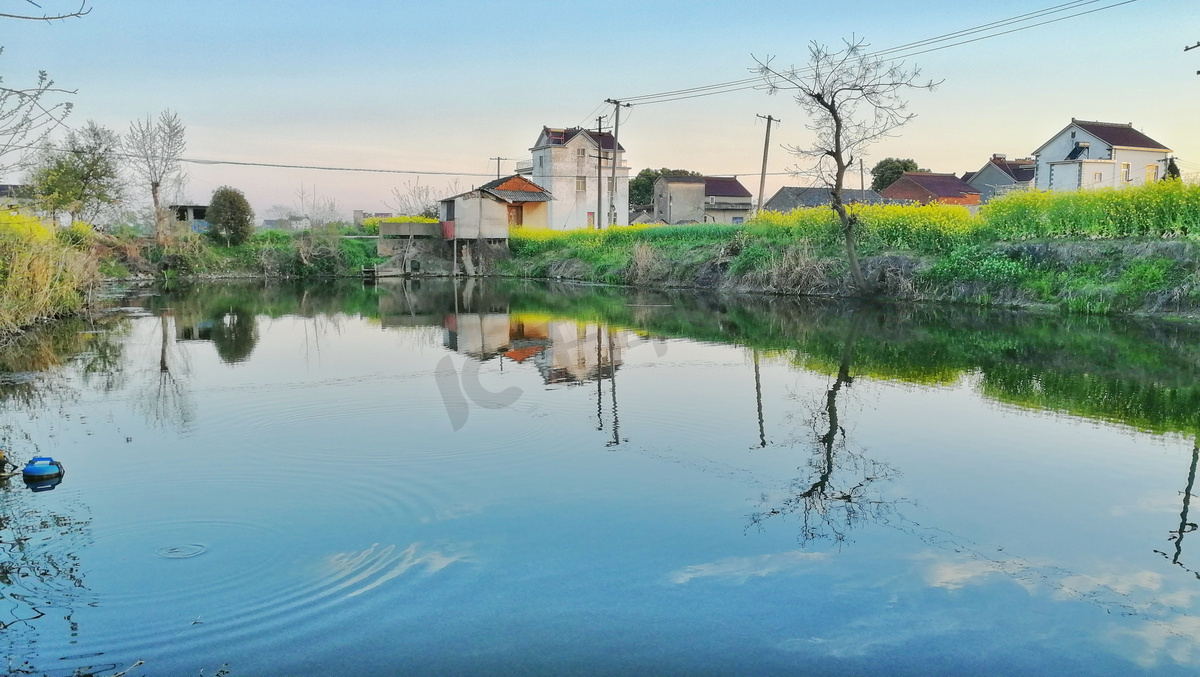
(827,459)
(840,492)
(1186,526)
(41,579)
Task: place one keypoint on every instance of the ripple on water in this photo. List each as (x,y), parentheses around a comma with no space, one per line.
(185,551)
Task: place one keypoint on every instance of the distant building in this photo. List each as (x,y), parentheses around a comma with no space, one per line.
(360,216)
(191,217)
(15,195)
(791,197)
(564,162)
(290,223)
(700,199)
(926,187)
(1001,175)
(1088,154)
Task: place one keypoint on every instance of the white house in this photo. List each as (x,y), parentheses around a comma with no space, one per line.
(1088,154)
(700,199)
(565,162)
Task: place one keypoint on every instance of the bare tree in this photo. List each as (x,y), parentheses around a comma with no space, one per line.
(48,16)
(319,209)
(27,116)
(853,99)
(155,148)
(414,199)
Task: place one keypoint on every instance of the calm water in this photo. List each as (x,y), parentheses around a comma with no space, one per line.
(523,479)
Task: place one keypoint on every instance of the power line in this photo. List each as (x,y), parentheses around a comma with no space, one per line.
(897,52)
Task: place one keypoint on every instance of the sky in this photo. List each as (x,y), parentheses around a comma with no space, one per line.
(442,86)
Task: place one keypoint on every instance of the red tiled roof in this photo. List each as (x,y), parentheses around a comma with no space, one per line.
(1116,134)
(941,185)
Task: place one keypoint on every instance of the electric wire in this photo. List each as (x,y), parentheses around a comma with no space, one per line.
(899,52)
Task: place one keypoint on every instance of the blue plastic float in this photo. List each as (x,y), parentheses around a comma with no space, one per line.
(42,473)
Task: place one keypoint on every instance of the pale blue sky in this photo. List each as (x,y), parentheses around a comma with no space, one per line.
(443,86)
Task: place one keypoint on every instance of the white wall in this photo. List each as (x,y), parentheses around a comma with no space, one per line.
(1138,160)
(1059,148)
(555,169)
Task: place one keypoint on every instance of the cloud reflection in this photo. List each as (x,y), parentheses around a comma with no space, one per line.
(741,569)
(375,566)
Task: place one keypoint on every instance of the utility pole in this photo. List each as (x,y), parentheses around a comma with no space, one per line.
(612,204)
(862,182)
(498,159)
(1188,49)
(599,184)
(762,181)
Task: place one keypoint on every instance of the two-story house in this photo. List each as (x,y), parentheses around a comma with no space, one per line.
(1088,154)
(700,199)
(565,163)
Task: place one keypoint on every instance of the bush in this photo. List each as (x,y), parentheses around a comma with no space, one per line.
(230,218)
(40,276)
(80,235)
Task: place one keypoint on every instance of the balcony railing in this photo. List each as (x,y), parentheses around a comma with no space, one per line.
(524,166)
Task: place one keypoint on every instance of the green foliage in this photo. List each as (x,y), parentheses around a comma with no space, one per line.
(976,264)
(80,235)
(888,170)
(230,218)
(1160,209)
(112,269)
(80,176)
(1146,275)
(641,187)
(271,237)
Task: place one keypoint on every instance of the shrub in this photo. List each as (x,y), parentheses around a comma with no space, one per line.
(230,218)
(40,276)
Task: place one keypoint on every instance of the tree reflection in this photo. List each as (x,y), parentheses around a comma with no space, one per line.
(234,333)
(40,576)
(1185,526)
(841,491)
(166,399)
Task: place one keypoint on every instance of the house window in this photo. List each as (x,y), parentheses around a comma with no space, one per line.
(580,183)
(540,158)
(609,184)
(1097,177)
(1151,173)
(1126,172)
(581,153)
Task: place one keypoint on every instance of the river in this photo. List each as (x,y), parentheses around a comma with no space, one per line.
(522,478)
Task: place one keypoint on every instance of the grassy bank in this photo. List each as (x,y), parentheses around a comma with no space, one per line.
(43,274)
(1131,250)
(271,253)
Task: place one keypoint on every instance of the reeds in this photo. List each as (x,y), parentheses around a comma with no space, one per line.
(41,276)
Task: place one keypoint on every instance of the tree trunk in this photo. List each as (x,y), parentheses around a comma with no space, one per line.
(160,225)
(848,234)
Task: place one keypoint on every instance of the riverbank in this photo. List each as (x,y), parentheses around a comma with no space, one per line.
(43,274)
(1131,251)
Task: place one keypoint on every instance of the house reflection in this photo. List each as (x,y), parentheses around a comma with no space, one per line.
(482,326)
(563,351)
